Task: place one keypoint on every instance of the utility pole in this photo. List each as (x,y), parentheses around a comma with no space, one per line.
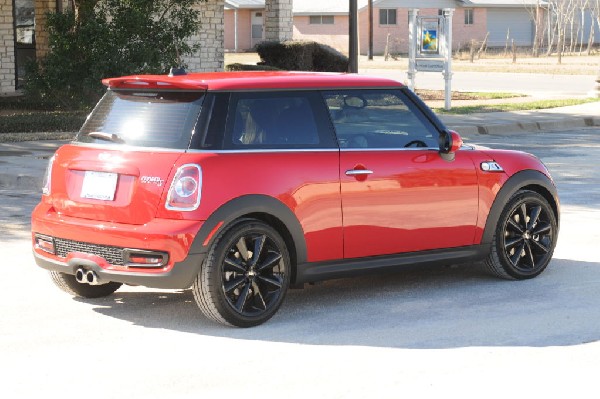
(370,30)
(353,37)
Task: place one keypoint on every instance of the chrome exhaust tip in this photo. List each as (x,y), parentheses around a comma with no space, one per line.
(80,276)
(92,278)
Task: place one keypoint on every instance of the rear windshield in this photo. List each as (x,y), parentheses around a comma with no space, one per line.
(145,119)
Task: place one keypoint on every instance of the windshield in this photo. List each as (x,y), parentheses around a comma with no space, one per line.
(144,119)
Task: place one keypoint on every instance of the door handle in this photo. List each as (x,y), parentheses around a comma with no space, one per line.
(358,172)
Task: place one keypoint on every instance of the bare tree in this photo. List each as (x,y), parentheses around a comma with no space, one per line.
(537,16)
(595,10)
(567,25)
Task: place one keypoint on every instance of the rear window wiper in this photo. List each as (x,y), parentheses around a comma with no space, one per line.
(107,136)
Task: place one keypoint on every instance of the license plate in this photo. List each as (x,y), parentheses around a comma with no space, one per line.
(99,185)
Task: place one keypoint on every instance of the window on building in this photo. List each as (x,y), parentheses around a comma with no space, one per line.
(24,28)
(469,16)
(387,16)
(321,20)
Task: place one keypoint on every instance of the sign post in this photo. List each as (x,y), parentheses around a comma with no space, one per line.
(413,14)
(430,47)
(447,22)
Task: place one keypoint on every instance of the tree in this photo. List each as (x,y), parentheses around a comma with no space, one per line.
(106,38)
(83,9)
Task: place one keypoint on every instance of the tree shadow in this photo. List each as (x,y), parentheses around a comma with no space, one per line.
(15,213)
(450,307)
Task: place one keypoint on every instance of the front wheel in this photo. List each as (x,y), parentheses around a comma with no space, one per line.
(525,237)
(245,275)
(70,285)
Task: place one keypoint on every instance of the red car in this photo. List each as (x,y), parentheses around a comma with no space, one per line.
(240,185)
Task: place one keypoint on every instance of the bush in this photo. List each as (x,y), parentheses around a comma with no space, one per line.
(116,37)
(302,56)
(249,67)
(62,121)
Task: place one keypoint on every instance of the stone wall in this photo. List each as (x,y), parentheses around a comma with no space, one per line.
(210,56)
(7,48)
(41,33)
(278,20)
(42,7)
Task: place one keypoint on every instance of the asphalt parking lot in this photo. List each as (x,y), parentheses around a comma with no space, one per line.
(446,331)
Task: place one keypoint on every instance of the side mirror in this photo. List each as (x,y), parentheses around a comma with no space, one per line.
(450,142)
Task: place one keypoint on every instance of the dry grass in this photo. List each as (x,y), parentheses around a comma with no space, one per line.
(571,65)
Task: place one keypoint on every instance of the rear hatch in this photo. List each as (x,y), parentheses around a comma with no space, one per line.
(122,159)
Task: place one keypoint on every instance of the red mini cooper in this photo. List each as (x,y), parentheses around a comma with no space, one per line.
(240,185)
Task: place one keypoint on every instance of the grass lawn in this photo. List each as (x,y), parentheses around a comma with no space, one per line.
(507,107)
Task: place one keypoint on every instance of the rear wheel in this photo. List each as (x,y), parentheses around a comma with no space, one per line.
(245,276)
(525,237)
(69,284)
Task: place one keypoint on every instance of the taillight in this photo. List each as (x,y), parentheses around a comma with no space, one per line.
(47,181)
(186,189)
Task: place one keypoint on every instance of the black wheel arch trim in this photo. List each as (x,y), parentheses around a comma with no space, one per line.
(525,179)
(239,208)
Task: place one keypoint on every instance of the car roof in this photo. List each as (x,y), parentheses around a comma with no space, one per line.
(255,80)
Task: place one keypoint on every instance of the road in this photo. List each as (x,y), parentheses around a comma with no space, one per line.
(430,333)
(539,85)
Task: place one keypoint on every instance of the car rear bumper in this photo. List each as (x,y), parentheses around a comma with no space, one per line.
(97,246)
(180,276)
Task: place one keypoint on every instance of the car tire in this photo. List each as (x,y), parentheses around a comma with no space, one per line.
(245,276)
(524,238)
(69,284)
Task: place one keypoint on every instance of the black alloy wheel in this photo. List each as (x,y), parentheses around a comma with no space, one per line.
(245,276)
(525,237)
(252,274)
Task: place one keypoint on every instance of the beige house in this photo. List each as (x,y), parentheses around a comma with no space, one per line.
(327,22)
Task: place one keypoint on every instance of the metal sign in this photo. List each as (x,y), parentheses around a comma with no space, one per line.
(429,34)
(430,65)
(430,47)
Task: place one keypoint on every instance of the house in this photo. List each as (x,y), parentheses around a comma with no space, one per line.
(327,22)
(244,24)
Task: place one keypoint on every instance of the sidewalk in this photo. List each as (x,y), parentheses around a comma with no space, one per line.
(22,164)
(573,117)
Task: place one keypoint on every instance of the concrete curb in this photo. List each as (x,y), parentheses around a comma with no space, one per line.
(510,127)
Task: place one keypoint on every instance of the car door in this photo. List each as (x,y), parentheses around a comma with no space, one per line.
(398,194)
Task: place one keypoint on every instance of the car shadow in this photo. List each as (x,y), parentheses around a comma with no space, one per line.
(450,307)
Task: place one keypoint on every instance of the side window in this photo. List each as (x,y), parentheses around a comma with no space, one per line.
(379,119)
(278,120)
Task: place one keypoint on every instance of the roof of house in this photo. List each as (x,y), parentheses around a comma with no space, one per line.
(340,7)
(248,81)
(321,7)
(257,4)
(503,3)
(303,7)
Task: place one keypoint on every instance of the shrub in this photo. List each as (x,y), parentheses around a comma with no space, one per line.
(302,56)
(60,121)
(249,67)
(116,37)
(326,58)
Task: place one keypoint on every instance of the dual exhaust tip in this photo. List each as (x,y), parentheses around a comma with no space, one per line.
(87,277)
